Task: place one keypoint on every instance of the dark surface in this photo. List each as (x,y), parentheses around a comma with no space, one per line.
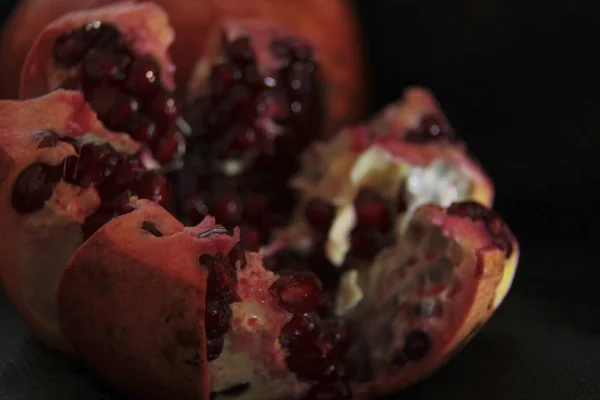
(520,82)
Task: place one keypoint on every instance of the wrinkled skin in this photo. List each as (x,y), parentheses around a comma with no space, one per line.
(33,256)
(192,21)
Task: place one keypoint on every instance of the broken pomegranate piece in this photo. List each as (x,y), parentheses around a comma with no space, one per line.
(63,176)
(256,101)
(117,56)
(423,298)
(358,189)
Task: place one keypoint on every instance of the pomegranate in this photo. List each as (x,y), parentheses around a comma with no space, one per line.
(192,20)
(161,310)
(63,175)
(117,56)
(256,100)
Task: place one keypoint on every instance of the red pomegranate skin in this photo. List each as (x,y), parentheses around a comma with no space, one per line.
(142,294)
(192,20)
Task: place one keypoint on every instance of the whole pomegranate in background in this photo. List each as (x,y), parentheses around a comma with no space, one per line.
(62,175)
(192,20)
(117,56)
(255,101)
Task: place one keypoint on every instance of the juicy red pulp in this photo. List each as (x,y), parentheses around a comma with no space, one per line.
(116,177)
(261,123)
(123,88)
(316,345)
(221,292)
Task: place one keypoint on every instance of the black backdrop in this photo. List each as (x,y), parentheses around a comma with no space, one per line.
(519,82)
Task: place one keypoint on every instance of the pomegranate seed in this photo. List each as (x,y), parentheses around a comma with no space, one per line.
(337,333)
(365,243)
(319,214)
(217,319)
(168,147)
(372,211)
(214,347)
(222,278)
(153,186)
(143,76)
(70,48)
(309,362)
(47,139)
(98,65)
(281,48)
(341,370)
(164,109)
(300,292)
(122,112)
(106,36)
(300,329)
(33,187)
(417,345)
(143,130)
(96,161)
(228,209)
(431,128)
(329,391)
(102,98)
(244,138)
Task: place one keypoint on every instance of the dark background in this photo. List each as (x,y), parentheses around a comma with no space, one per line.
(520,83)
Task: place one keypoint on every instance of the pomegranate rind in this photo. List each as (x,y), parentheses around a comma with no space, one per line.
(132,304)
(486,275)
(342,53)
(41,243)
(145,29)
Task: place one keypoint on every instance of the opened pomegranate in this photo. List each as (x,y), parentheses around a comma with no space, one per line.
(63,175)
(192,21)
(117,56)
(256,101)
(162,310)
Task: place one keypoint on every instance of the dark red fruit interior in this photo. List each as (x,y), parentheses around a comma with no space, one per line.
(316,344)
(498,230)
(123,88)
(116,177)
(262,123)
(221,289)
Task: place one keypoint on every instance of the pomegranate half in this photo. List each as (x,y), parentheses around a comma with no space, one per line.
(63,175)
(192,20)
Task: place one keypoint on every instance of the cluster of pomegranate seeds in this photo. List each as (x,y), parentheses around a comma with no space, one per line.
(221,289)
(116,177)
(248,133)
(317,346)
(374,221)
(431,128)
(124,89)
(495,226)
